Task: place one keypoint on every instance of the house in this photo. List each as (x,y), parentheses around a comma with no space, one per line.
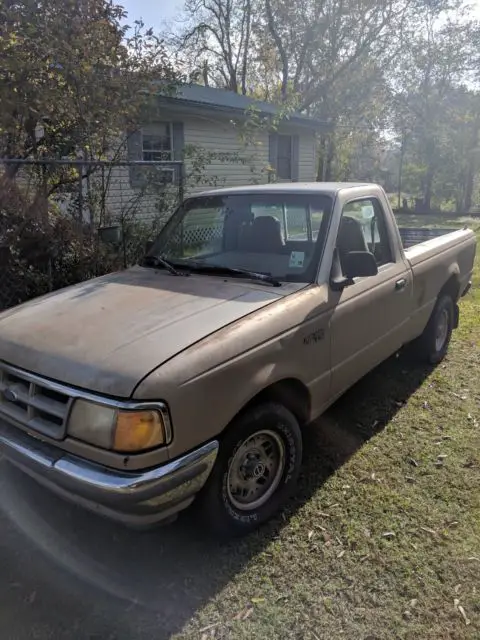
(216,138)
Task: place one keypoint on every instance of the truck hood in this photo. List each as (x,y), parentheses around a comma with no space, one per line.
(106,334)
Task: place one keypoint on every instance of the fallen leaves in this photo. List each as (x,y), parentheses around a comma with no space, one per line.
(461,611)
(209,630)
(244,614)
(472,419)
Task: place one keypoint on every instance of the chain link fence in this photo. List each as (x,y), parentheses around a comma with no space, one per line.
(65,221)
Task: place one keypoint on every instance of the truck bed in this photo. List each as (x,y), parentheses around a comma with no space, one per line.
(435,255)
(412,236)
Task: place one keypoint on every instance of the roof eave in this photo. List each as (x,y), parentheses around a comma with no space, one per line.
(298,121)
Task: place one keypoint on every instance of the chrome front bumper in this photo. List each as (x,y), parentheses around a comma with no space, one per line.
(136,499)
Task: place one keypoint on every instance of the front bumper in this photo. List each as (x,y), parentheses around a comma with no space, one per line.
(137,499)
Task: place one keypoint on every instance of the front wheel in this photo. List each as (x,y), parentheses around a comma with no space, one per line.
(256,470)
(434,341)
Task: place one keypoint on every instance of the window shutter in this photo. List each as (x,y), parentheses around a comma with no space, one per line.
(134,154)
(178,140)
(273,150)
(178,143)
(295,158)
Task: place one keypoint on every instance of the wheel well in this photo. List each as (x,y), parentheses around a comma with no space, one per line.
(451,288)
(291,393)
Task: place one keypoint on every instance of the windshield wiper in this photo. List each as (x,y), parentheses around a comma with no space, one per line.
(234,271)
(158,261)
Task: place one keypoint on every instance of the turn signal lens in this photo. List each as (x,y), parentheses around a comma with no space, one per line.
(138,431)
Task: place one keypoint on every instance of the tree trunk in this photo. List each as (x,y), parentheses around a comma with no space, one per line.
(427,194)
(330,158)
(429,175)
(469,183)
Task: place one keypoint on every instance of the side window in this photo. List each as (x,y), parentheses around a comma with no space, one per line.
(294,220)
(297,223)
(363,228)
(277,211)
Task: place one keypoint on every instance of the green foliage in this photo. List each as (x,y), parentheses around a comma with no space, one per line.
(398,80)
(72,77)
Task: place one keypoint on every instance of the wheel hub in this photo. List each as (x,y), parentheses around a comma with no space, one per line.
(256,470)
(442,330)
(252,467)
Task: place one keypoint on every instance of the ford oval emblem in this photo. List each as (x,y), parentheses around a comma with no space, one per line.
(10,395)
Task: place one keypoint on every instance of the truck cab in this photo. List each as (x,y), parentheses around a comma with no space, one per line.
(189,377)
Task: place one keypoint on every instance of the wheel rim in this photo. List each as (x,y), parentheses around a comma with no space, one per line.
(256,470)
(442,330)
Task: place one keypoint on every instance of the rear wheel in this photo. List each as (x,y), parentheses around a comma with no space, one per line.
(434,341)
(256,470)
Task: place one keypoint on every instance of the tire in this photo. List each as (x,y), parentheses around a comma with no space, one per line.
(255,473)
(434,341)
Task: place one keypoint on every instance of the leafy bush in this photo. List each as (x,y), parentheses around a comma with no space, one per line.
(39,254)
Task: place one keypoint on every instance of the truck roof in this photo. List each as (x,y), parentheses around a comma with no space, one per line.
(328,188)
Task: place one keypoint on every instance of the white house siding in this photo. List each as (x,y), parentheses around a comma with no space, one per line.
(214,136)
(219,136)
(124,201)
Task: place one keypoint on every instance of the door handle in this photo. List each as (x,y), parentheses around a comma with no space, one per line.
(400,284)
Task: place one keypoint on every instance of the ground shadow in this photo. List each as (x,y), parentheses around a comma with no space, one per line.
(121,584)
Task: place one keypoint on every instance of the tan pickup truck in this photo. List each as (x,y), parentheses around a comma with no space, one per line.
(192,374)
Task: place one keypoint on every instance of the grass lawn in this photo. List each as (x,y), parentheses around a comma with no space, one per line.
(383,538)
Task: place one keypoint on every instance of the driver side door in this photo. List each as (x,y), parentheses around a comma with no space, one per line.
(368,312)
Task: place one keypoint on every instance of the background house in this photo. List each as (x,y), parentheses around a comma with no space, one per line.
(222,139)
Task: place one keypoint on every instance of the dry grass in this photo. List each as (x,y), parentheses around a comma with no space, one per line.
(383,540)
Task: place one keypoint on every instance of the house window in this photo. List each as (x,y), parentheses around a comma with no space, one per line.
(284,157)
(157,142)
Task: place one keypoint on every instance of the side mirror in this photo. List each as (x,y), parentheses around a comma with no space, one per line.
(360,264)
(356,264)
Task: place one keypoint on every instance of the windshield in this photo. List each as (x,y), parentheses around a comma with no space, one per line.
(277,234)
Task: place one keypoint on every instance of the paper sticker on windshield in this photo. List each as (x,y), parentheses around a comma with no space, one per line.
(297,258)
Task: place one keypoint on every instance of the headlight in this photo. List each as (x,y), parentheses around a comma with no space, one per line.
(118,429)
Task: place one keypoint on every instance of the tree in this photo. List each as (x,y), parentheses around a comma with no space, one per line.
(72,77)
(432,110)
(328,56)
(215,42)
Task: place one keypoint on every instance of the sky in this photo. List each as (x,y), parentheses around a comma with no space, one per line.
(155,12)
(152,12)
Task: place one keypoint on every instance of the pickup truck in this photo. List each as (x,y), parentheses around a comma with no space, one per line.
(190,376)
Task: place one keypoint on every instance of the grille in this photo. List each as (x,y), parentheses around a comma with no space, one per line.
(33,403)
